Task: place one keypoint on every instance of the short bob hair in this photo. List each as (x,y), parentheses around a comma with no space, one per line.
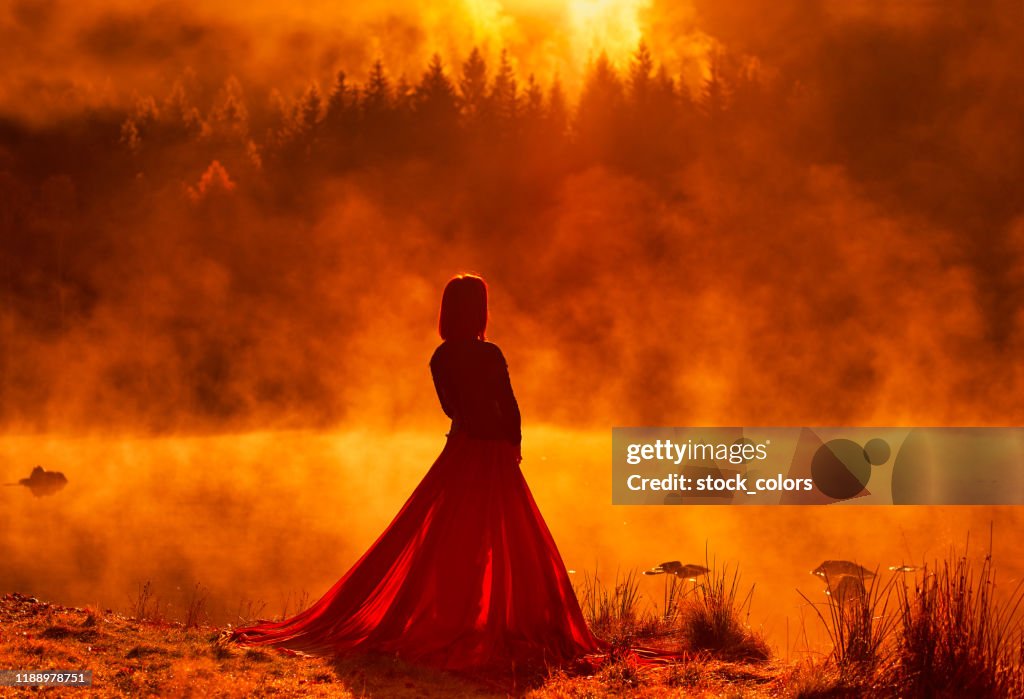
(463,308)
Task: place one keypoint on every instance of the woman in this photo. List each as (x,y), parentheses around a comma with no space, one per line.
(467,575)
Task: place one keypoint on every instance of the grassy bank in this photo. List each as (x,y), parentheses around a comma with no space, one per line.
(944,629)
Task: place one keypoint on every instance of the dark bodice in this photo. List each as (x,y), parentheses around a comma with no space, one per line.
(472,382)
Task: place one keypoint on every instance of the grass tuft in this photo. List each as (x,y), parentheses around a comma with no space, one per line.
(613,614)
(195,607)
(950,635)
(957,637)
(859,623)
(715,618)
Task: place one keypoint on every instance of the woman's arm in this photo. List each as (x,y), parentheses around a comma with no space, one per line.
(440,385)
(507,403)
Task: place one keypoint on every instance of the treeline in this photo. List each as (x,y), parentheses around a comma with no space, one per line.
(640,118)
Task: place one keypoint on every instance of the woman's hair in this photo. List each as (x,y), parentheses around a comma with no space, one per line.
(463,308)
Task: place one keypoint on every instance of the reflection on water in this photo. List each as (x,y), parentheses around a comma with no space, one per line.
(276,518)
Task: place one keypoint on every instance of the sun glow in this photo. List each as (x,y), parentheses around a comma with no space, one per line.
(612,26)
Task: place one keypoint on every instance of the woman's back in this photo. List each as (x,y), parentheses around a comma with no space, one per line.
(472,382)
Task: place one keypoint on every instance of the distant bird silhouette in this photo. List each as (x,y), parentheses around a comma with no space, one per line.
(688,571)
(42,482)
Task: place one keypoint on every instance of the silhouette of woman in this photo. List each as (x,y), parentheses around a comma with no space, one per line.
(467,575)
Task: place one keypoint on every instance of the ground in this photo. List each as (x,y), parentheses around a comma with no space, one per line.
(133,658)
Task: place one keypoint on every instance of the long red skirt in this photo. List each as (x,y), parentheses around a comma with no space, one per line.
(466,576)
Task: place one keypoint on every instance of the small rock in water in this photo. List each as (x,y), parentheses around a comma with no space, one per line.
(42,482)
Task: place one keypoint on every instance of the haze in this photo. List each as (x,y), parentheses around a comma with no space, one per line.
(220,267)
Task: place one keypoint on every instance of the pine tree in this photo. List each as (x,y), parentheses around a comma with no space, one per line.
(403,95)
(229,117)
(713,95)
(340,101)
(179,118)
(435,109)
(504,96)
(435,87)
(556,113)
(599,115)
(377,98)
(664,88)
(473,87)
(310,110)
(533,101)
(340,121)
(641,77)
(380,130)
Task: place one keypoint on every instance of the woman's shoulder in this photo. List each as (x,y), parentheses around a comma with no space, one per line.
(463,347)
(439,354)
(492,349)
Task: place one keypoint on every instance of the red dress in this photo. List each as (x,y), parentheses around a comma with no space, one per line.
(467,575)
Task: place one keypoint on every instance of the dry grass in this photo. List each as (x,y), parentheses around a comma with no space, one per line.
(958,638)
(613,612)
(249,612)
(131,657)
(859,623)
(696,677)
(195,607)
(146,606)
(948,635)
(716,619)
(708,616)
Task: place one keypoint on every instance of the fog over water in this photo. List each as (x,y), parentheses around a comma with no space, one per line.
(263,520)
